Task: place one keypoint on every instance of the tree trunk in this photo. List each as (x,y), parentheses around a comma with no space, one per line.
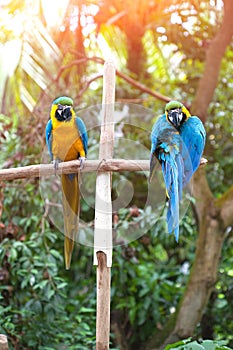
(204,271)
(214,55)
(136,61)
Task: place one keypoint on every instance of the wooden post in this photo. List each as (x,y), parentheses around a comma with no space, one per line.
(3,342)
(103,213)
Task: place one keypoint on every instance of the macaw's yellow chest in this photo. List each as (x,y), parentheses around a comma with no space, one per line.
(66,142)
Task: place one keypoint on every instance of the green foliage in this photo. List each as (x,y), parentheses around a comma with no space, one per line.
(220,131)
(189,344)
(8,137)
(37,308)
(149,275)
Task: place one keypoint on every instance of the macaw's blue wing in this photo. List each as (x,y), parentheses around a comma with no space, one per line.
(160,128)
(193,136)
(48,137)
(154,144)
(83,132)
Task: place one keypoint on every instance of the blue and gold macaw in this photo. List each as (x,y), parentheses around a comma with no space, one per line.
(177,141)
(66,139)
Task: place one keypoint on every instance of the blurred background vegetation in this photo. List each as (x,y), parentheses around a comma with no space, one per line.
(52,48)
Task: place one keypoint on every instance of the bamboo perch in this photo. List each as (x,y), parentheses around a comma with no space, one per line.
(103,212)
(115,165)
(3,342)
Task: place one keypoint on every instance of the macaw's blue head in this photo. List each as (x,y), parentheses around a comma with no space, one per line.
(62,108)
(176,113)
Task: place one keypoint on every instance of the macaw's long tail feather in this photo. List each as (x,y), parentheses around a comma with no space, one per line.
(170,171)
(71,206)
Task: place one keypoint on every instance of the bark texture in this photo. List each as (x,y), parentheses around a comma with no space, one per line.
(214,55)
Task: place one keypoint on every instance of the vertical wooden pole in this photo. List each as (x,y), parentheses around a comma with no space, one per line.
(3,342)
(103,213)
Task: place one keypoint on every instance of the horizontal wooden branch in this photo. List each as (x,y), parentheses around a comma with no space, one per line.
(115,165)
(143,87)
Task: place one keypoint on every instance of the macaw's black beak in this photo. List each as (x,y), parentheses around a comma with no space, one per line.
(67,113)
(175,116)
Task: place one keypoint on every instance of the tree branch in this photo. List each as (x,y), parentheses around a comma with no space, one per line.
(71,167)
(87,84)
(129,80)
(142,87)
(225,203)
(125,77)
(202,193)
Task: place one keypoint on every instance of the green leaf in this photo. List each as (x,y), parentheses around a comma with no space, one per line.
(62,285)
(177,344)
(36,306)
(132,315)
(50,293)
(13,255)
(55,253)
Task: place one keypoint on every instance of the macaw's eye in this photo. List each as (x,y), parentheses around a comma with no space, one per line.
(60,107)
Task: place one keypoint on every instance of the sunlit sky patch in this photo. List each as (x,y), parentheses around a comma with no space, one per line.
(191,14)
(54,11)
